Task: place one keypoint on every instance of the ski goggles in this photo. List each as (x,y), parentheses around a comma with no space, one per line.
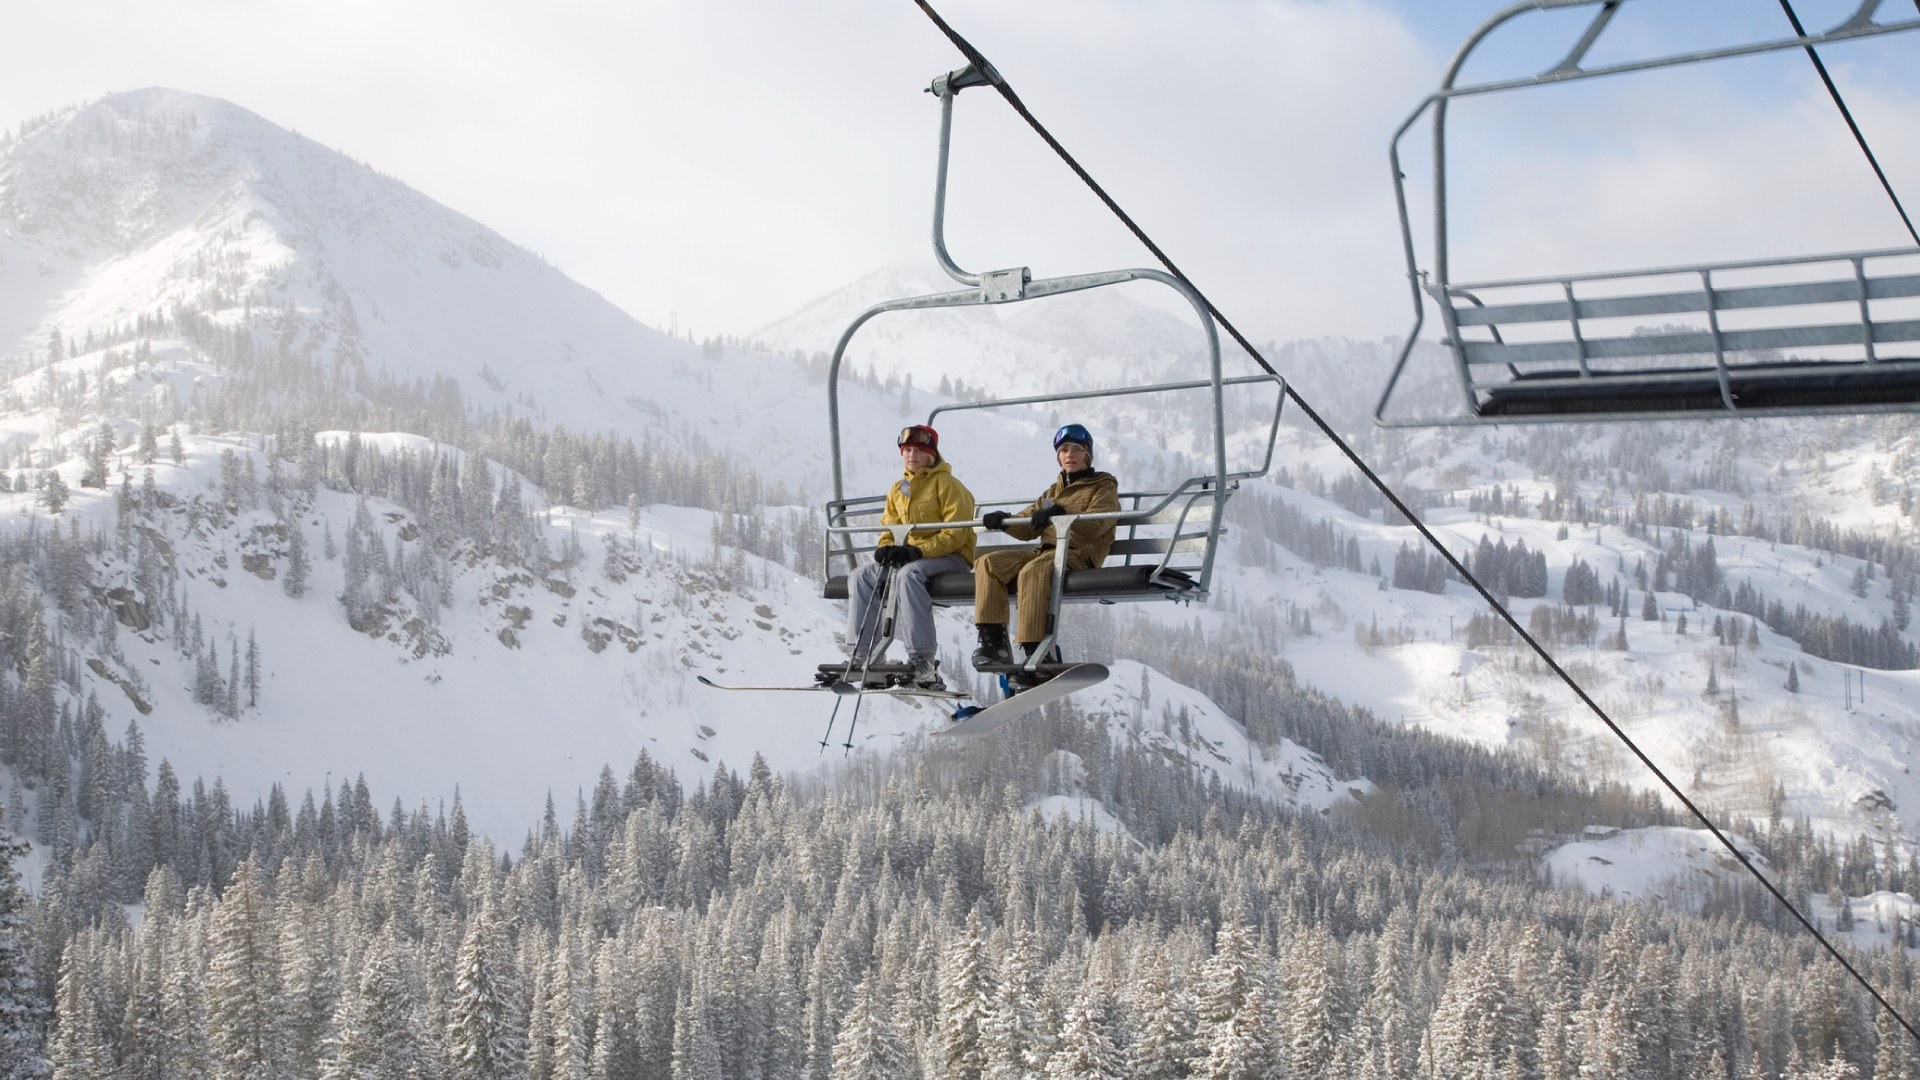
(1073,433)
(922,436)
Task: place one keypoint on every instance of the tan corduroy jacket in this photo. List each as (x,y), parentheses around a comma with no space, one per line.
(1095,494)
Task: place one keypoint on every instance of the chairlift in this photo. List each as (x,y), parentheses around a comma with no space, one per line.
(1522,354)
(1166,540)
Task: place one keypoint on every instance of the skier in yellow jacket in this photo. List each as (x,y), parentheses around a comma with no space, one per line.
(927,492)
(1081,489)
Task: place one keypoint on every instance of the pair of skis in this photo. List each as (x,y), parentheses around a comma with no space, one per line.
(969,719)
(861,676)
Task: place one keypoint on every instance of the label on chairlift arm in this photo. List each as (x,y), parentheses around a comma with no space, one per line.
(1001,286)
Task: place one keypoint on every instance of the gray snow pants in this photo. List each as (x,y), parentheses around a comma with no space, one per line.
(913,618)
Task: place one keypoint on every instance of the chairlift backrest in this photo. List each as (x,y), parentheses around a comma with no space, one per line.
(1165,541)
(1778,354)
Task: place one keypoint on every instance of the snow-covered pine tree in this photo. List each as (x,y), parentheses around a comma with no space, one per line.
(378,1031)
(1017,1043)
(55,494)
(1312,1012)
(22,1006)
(79,1049)
(243,983)
(566,1006)
(1469,1033)
(868,1047)
(294,581)
(310,973)
(967,998)
(616,1053)
(695,1054)
(1087,1049)
(1227,976)
(1163,1023)
(144,1034)
(230,701)
(1243,1046)
(253,669)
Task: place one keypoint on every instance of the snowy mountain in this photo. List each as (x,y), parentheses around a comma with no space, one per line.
(255,245)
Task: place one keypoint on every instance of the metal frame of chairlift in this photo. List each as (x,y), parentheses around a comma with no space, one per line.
(1575,376)
(1194,508)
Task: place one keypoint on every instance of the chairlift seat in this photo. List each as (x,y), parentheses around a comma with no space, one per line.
(1776,386)
(1107,584)
(1789,336)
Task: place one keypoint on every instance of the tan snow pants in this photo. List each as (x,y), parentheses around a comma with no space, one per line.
(1034,569)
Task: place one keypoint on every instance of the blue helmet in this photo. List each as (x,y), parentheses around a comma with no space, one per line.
(1073,433)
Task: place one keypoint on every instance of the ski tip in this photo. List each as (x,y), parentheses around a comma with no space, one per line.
(845,689)
(706,680)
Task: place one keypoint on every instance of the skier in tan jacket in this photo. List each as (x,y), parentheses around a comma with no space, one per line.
(1081,489)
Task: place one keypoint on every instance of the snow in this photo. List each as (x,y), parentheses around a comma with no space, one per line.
(1081,809)
(1667,864)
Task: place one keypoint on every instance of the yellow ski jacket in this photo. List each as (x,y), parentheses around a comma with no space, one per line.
(932,494)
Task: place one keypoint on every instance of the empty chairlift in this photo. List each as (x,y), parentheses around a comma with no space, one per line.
(1768,337)
(1166,539)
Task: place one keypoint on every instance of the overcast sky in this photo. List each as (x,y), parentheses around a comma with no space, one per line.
(723,164)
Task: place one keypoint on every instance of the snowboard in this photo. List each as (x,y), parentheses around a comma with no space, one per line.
(990,719)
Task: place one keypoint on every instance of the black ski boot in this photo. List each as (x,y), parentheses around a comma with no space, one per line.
(1027,680)
(994,651)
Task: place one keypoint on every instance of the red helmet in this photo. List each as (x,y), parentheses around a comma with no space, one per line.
(921,435)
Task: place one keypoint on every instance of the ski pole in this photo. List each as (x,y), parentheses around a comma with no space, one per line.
(837,699)
(852,722)
(874,611)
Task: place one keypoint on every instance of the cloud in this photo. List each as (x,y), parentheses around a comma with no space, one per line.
(730,162)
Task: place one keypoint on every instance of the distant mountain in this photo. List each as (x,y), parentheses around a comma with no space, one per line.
(254,241)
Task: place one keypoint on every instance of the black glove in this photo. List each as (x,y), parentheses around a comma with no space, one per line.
(1044,516)
(994,520)
(897,555)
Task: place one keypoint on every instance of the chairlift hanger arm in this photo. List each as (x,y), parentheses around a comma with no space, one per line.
(1273,434)
(1033,290)
(1011,285)
(1859,25)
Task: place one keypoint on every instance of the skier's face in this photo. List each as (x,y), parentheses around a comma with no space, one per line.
(916,458)
(1073,457)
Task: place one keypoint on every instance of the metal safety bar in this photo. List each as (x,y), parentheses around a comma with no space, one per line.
(1063,530)
(1490,367)
(1579,350)
(1134,520)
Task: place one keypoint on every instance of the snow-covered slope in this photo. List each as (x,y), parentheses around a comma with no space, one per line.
(523,684)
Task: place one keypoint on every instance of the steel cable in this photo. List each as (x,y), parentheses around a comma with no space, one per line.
(1847,114)
(999,83)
